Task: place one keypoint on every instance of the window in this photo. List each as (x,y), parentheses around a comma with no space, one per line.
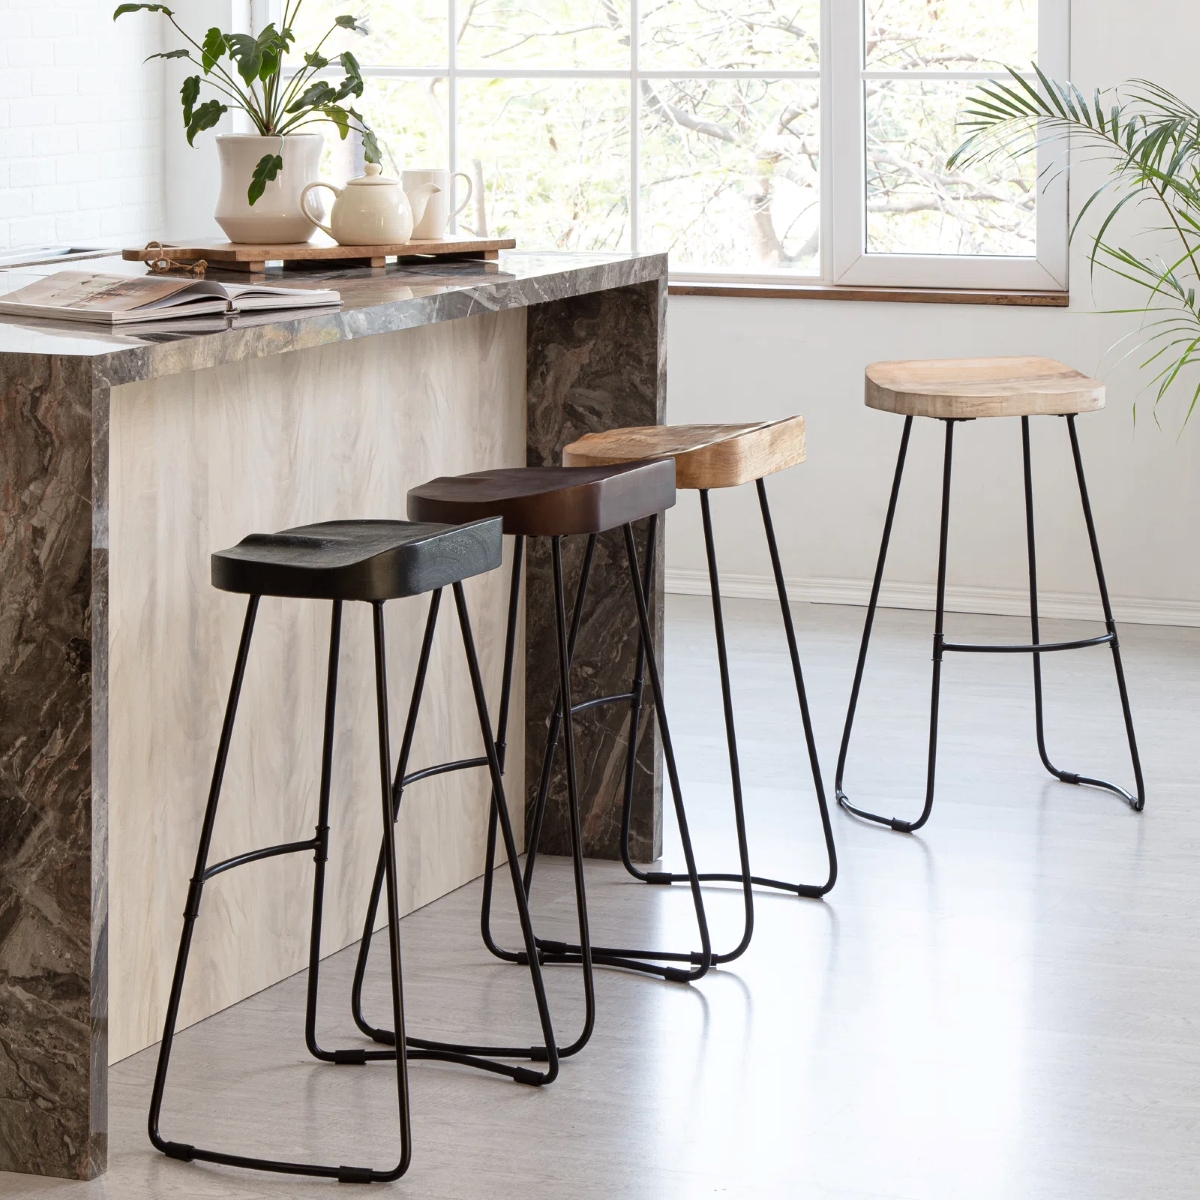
(758,139)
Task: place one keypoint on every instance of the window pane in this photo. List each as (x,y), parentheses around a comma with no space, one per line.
(950,35)
(409,117)
(913,205)
(403,33)
(554,158)
(729,173)
(711,35)
(543,33)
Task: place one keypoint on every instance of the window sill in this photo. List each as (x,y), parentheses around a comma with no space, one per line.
(896,295)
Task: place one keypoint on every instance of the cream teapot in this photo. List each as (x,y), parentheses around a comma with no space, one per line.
(372,210)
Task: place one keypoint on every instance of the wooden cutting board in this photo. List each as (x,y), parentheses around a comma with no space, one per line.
(247,256)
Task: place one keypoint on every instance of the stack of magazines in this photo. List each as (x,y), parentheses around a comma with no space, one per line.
(120,300)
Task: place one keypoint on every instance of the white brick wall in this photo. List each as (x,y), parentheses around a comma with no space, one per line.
(81,124)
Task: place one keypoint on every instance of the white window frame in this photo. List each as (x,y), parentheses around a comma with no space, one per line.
(844,259)
(844,165)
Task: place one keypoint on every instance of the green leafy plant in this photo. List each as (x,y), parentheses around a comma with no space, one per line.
(1151,138)
(248,73)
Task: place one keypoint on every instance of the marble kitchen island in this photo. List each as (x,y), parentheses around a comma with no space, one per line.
(125,460)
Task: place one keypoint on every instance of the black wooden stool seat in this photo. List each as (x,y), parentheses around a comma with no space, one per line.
(373,562)
(549,501)
(358,560)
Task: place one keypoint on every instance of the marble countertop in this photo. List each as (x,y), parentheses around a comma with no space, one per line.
(401,296)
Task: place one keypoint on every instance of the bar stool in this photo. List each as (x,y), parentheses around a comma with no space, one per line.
(707,457)
(558,502)
(370,561)
(953,391)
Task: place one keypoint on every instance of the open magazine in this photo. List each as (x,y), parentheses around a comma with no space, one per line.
(123,300)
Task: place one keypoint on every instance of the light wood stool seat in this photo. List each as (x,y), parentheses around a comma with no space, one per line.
(706,456)
(960,389)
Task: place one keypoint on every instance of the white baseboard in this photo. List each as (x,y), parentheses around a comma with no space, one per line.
(1007,602)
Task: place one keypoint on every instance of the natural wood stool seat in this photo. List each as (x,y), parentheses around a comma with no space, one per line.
(964,388)
(706,456)
(549,501)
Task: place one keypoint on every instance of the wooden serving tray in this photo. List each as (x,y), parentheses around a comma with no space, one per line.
(247,256)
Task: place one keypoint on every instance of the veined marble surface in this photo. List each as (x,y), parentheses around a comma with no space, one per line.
(400,296)
(594,358)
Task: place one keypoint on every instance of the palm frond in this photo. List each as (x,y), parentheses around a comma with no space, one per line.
(1151,141)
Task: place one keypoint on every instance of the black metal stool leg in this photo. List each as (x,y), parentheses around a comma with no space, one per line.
(938,641)
(735,773)
(868,624)
(556,716)
(425,1048)
(321,850)
(1136,802)
(195,890)
(635,960)
(566,645)
(510,848)
(635,715)
(745,877)
(810,890)
(393,894)
(317,844)
(410,726)
(565,705)
(510,645)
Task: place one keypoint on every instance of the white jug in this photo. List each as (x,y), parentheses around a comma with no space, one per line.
(372,210)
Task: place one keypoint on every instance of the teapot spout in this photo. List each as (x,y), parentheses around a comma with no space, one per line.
(418,197)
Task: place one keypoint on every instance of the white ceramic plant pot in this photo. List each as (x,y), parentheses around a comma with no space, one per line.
(277,215)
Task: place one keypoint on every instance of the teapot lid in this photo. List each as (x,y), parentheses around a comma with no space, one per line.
(371,176)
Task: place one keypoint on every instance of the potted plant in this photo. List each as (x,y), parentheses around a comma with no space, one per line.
(1152,139)
(263,173)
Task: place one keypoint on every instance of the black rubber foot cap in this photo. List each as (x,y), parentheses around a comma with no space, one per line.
(676,975)
(180,1151)
(354,1057)
(355,1175)
(533,1078)
(658,876)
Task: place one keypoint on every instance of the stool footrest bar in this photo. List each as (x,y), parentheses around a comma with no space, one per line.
(586,704)
(462,764)
(254,856)
(1038,648)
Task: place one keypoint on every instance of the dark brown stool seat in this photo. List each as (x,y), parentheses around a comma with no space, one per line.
(549,501)
(553,503)
(358,560)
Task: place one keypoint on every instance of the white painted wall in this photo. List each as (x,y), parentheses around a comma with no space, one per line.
(80,125)
(742,359)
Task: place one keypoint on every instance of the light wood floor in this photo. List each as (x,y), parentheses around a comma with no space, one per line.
(1004,1005)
